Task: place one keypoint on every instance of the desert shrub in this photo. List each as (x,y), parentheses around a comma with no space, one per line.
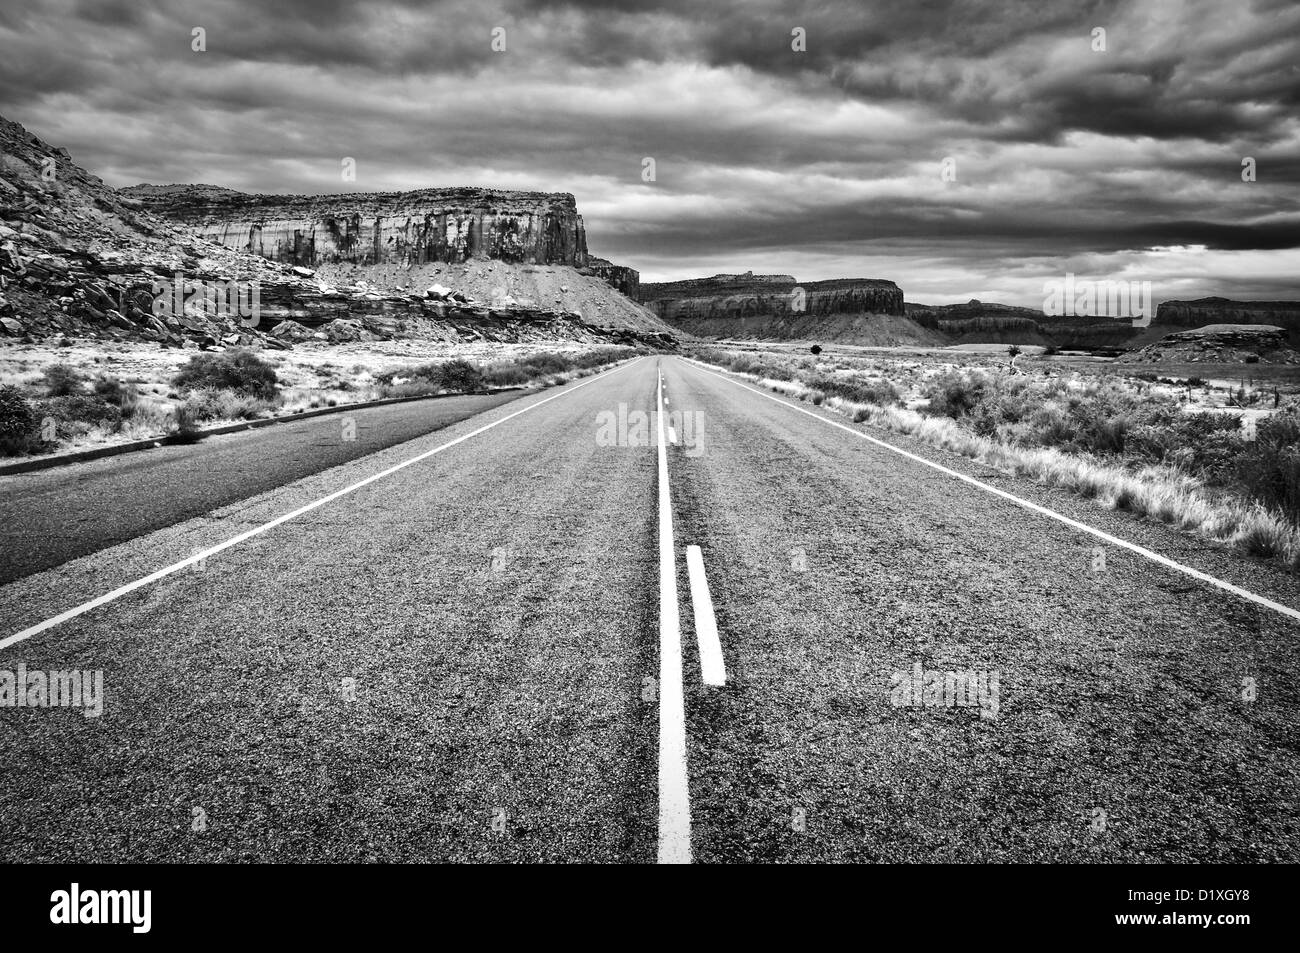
(747,365)
(505,375)
(111,390)
(1203,444)
(208,404)
(956,394)
(147,419)
(18,422)
(856,389)
(183,426)
(1269,467)
(539,365)
(62,381)
(815,349)
(238,370)
(462,376)
(456,375)
(75,415)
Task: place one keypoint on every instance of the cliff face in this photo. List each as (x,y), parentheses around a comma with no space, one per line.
(978,322)
(78,258)
(1219,344)
(375,228)
(1203,311)
(626,280)
(684,303)
(494,246)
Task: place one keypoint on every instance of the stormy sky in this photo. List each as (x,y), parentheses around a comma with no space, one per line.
(1122,163)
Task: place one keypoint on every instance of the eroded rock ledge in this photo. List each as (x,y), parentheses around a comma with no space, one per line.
(370,228)
(749,295)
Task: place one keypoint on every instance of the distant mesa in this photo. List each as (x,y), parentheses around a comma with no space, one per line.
(750,294)
(747,306)
(1219,344)
(1203,311)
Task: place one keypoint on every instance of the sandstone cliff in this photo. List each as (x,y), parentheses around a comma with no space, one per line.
(694,303)
(372,228)
(79,259)
(1203,311)
(502,248)
(979,322)
(1219,344)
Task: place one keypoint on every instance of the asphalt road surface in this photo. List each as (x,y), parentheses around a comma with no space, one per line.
(450,649)
(50,516)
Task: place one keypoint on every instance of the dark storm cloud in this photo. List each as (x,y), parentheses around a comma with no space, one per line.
(826,160)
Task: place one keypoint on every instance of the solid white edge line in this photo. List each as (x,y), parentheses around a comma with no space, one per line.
(257,530)
(674,785)
(712,668)
(1044,511)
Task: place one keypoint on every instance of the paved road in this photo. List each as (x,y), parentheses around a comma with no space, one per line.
(459,661)
(50,516)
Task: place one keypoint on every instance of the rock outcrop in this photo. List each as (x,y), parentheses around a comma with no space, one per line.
(78,259)
(979,322)
(1219,344)
(371,228)
(1203,311)
(626,280)
(685,303)
(502,248)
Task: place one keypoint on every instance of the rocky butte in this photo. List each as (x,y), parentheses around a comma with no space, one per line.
(733,296)
(1219,344)
(1203,311)
(369,228)
(777,307)
(497,246)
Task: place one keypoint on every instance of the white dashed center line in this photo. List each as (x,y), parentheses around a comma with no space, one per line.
(706,626)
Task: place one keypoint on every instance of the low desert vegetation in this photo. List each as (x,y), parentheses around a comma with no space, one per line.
(1130,444)
(464,377)
(65,407)
(239,371)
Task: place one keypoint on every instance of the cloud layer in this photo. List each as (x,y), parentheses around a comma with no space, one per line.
(826,162)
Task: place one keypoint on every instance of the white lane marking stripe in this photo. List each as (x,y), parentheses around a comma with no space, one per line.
(674,786)
(249,534)
(712,667)
(1075,524)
